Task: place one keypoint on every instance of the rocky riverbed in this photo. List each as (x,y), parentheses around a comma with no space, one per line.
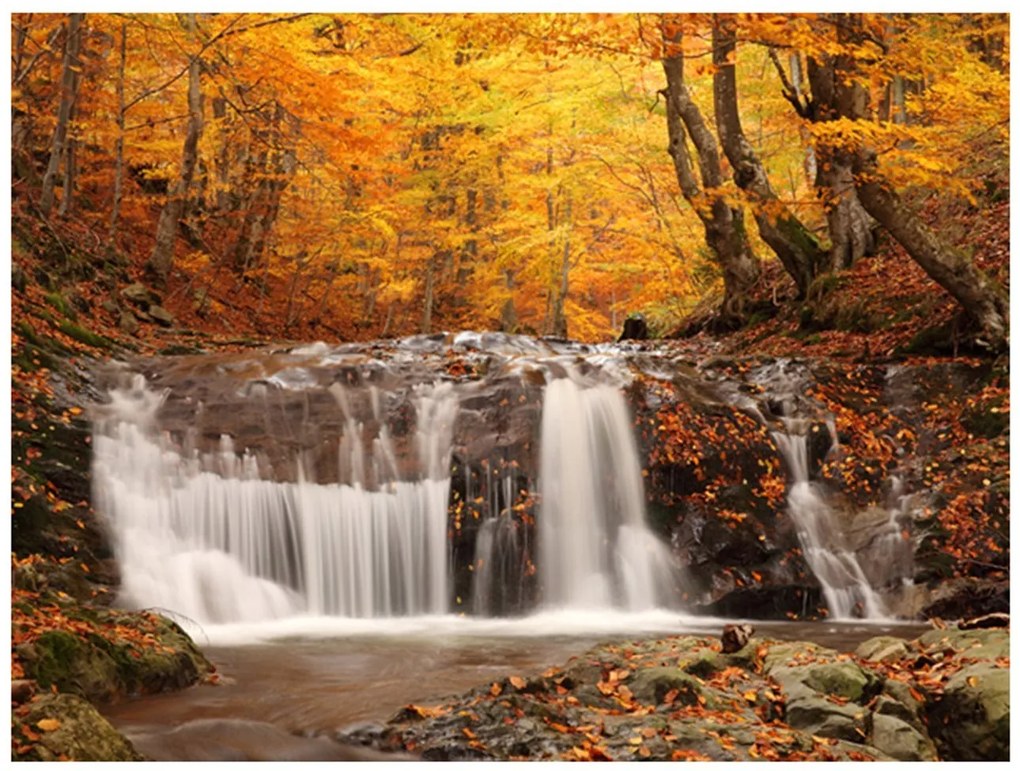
(943,696)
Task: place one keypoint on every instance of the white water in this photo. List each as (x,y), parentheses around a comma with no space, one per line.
(214,539)
(594,547)
(209,540)
(844,582)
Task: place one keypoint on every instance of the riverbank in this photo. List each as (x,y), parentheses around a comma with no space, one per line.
(943,696)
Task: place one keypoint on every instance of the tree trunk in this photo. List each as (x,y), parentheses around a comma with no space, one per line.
(430,280)
(162,256)
(980,296)
(559,317)
(793,243)
(851,230)
(68,83)
(724,225)
(118,172)
(508,313)
(68,186)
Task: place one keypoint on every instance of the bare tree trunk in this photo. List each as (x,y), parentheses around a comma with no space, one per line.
(851,230)
(980,296)
(118,173)
(68,83)
(68,186)
(508,313)
(559,318)
(724,225)
(162,256)
(430,280)
(793,243)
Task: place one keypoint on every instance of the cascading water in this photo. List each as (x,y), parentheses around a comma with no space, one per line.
(209,539)
(844,583)
(310,504)
(594,547)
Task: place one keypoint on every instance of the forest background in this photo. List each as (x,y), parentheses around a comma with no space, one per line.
(358,176)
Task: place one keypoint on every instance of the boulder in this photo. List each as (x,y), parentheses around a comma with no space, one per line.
(103,669)
(971,720)
(882,648)
(127,323)
(66,727)
(900,740)
(161,315)
(139,294)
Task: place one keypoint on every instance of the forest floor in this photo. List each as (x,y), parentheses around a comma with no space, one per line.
(69,309)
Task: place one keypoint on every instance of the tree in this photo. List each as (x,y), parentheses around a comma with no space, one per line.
(980,296)
(162,256)
(851,230)
(793,243)
(60,151)
(723,222)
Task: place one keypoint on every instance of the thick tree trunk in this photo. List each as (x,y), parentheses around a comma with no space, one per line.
(68,83)
(724,225)
(162,256)
(980,296)
(794,244)
(851,229)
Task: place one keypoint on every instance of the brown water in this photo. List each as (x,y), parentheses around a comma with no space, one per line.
(283,700)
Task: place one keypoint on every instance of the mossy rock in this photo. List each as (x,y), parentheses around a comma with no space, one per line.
(971,720)
(59,302)
(986,420)
(97,668)
(987,644)
(900,740)
(71,664)
(652,684)
(85,336)
(68,728)
(843,679)
(883,648)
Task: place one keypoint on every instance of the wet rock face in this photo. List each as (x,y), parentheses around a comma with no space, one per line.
(151,655)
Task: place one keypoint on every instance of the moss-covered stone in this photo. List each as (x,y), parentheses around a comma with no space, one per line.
(83,335)
(59,302)
(66,727)
(971,720)
(883,648)
(150,654)
(840,678)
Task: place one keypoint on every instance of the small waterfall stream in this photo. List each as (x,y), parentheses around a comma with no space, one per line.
(847,590)
(594,547)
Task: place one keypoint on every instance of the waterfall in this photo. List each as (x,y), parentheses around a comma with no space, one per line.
(594,547)
(844,582)
(209,539)
(330,495)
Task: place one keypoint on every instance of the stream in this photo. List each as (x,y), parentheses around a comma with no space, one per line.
(282,699)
